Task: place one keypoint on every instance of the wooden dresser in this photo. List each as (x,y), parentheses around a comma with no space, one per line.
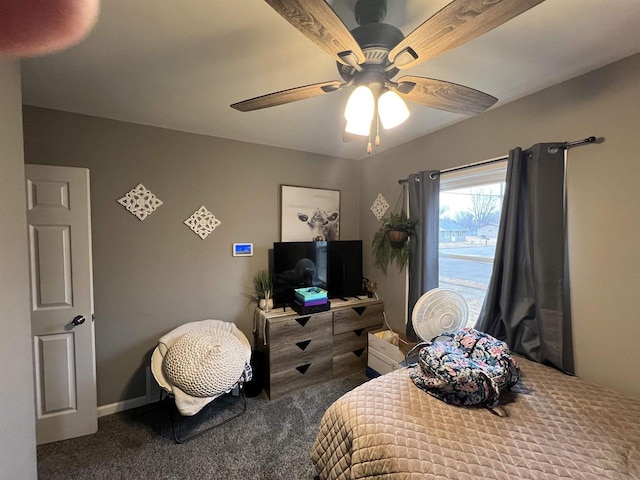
(302,350)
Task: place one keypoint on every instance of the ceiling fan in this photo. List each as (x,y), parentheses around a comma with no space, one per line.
(372,54)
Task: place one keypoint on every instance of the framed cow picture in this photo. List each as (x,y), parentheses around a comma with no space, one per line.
(309,214)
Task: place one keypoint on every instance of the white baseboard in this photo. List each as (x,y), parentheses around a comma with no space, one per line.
(121,406)
(153,395)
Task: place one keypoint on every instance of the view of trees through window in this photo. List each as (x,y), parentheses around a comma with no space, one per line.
(469,220)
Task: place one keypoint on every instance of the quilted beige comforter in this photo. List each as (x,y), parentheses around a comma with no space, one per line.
(558,427)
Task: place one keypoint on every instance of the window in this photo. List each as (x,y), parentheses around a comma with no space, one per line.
(470,208)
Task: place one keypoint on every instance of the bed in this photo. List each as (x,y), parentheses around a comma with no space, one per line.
(558,427)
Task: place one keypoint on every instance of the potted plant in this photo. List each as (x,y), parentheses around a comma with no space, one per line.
(262,290)
(390,242)
(369,287)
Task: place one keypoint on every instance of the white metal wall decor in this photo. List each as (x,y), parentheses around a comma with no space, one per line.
(202,222)
(140,202)
(379,207)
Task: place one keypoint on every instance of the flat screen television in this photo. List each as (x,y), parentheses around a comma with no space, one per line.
(297,265)
(335,266)
(344,269)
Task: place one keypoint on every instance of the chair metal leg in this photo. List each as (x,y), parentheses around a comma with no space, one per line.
(177,438)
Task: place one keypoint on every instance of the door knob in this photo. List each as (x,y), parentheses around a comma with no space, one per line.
(79,320)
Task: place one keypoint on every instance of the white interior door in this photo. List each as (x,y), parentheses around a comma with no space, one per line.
(59,223)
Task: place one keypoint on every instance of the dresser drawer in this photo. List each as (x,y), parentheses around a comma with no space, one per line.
(350,362)
(350,341)
(299,376)
(294,329)
(351,319)
(293,354)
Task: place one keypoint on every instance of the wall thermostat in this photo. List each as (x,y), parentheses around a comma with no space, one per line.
(243,249)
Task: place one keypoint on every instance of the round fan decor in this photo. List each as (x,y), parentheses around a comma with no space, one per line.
(439,311)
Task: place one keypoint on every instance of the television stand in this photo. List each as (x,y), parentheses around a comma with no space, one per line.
(303,350)
(346,299)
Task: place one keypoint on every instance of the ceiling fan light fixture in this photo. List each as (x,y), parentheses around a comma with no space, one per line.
(392,110)
(359,111)
(358,127)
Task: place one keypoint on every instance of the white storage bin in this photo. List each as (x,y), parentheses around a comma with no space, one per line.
(387,350)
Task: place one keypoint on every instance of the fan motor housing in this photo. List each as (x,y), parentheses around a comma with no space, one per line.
(370,11)
(376,40)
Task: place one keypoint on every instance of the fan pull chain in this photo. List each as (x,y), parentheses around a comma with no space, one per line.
(377,139)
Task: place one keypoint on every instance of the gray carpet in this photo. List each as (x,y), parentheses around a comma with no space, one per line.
(272,440)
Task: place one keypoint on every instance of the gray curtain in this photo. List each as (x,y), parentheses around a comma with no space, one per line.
(424,204)
(527,302)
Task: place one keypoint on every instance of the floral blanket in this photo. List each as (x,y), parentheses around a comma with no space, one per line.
(558,427)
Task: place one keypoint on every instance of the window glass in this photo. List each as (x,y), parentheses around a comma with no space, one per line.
(470,208)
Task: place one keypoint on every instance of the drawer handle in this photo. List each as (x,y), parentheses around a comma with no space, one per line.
(358,352)
(303,368)
(303,320)
(360,310)
(359,331)
(303,345)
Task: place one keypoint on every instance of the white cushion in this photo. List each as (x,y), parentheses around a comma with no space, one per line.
(205,362)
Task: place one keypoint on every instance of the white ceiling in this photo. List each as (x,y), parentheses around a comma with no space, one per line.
(180,64)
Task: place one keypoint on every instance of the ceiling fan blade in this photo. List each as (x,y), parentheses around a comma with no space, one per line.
(287,96)
(457,23)
(317,20)
(442,95)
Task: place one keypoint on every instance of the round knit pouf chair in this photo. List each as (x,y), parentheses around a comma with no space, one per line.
(205,362)
(198,362)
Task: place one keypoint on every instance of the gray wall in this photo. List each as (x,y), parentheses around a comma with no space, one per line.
(153,275)
(17,417)
(603,204)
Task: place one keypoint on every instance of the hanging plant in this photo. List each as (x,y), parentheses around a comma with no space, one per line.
(391,242)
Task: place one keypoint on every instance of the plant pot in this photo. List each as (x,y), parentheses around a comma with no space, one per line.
(266,305)
(397,238)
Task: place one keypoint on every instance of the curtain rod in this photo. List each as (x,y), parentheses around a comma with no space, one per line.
(552,149)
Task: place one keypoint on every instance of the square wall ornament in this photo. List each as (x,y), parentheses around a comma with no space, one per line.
(202,222)
(379,207)
(140,202)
